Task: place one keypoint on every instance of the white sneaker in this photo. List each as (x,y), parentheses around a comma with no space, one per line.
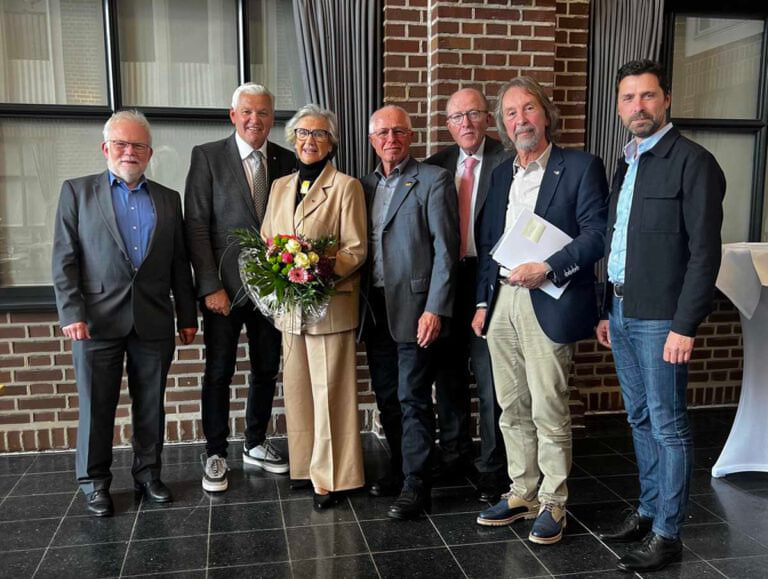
(215,473)
(266,457)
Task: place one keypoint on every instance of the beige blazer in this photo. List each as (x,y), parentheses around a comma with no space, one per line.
(334,205)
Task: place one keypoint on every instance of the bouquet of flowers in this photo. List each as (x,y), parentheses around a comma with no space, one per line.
(287,275)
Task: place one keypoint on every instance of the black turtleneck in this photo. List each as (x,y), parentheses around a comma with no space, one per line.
(309,173)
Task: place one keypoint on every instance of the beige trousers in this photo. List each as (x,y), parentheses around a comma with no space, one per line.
(530,372)
(320,390)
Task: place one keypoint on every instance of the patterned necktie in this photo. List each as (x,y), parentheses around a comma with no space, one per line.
(466,186)
(259,180)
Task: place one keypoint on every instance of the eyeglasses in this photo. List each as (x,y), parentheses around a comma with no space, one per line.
(140,148)
(474,115)
(320,135)
(397,133)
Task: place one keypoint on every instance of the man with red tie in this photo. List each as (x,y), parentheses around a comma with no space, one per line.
(471,159)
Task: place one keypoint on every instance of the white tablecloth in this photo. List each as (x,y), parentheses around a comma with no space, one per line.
(743,279)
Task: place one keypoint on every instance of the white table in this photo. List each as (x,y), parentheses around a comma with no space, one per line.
(743,279)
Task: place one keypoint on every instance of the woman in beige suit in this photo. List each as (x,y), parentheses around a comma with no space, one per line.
(319,381)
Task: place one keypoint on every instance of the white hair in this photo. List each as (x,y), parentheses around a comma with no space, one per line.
(312,110)
(254,89)
(395,107)
(131,115)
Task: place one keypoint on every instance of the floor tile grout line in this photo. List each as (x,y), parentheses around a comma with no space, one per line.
(447,546)
(21,476)
(130,537)
(208,535)
(61,521)
(285,530)
(365,539)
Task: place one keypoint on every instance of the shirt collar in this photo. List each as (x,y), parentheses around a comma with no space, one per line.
(540,163)
(245,149)
(477,154)
(633,149)
(396,172)
(115,179)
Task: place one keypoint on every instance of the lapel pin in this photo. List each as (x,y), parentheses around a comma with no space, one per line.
(556,172)
(408,183)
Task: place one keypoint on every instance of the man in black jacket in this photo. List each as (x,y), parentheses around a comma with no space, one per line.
(663,255)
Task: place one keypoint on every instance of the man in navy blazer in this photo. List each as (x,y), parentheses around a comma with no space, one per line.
(531,334)
(118,254)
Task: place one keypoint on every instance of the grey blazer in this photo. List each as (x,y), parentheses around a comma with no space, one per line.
(420,244)
(493,156)
(93,277)
(217,201)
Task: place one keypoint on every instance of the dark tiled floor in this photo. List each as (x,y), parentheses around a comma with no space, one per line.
(261,528)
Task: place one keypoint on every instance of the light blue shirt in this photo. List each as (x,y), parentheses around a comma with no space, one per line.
(633,150)
(382,198)
(135,216)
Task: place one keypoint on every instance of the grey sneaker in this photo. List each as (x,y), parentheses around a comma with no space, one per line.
(266,457)
(215,473)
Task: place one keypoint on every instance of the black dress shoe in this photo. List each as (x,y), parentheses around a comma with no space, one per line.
(634,528)
(490,487)
(99,503)
(386,487)
(325,501)
(154,491)
(655,553)
(409,504)
(296,484)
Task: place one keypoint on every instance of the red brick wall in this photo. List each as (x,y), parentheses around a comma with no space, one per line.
(431,48)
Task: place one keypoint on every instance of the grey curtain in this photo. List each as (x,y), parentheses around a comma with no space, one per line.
(340,44)
(620,30)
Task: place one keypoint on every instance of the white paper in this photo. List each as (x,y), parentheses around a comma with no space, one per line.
(531,238)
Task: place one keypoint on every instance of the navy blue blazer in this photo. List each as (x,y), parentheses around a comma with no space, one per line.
(572,196)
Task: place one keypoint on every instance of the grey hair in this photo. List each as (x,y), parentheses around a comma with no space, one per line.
(397,108)
(312,110)
(533,88)
(131,115)
(254,89)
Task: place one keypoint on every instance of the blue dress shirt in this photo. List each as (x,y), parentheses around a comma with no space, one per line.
(135,215)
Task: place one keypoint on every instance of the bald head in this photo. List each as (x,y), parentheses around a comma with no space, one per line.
(467,118)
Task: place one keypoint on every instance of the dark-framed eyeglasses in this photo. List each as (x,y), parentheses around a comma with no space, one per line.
(120,146)
(474,115)
(320,135)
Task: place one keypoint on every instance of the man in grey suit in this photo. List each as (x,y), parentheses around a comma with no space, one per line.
(118,254)
(413,249)
(471,159)
(227,188)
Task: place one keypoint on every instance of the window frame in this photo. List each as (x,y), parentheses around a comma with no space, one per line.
(41,298)
(757,126)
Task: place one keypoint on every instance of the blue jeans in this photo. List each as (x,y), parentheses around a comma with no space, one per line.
(654,397)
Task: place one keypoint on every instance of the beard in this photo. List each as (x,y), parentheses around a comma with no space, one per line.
(646,129)
(525,140)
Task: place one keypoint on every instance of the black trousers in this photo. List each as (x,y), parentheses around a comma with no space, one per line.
(221,335)
(99,372)
(455,353)
(401,376)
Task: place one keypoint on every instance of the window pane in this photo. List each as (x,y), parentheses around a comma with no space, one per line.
(275,53)
(734,152)
(52,52)
(716,67)
(178,53)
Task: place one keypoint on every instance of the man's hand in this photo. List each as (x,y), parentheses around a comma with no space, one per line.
(186,335)
(77,331)
(478,321)
(529,275)
(603,333)
(678,348)
(218,302)
(428,329)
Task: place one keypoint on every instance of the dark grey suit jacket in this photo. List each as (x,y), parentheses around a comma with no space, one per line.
(420,244)
(217,201)
(493,156)
(93,277)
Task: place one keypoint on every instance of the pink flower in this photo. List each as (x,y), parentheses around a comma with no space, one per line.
(299,275)
(286,257)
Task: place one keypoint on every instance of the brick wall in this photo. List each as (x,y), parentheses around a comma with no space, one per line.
(431,48)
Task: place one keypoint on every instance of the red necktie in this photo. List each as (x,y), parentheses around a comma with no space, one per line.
(466,186)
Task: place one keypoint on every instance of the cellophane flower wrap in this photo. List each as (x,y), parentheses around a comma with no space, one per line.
(288,276)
